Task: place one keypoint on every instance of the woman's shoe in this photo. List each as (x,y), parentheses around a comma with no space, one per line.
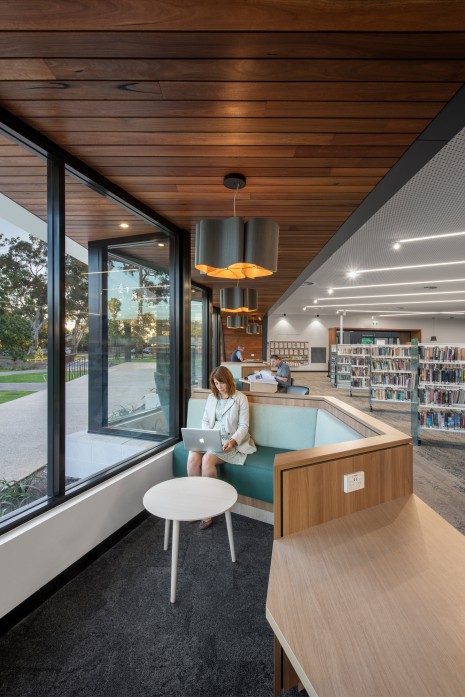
(204,524)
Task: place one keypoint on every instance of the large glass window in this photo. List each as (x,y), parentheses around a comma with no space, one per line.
(199,327)
(90,327)
(23,328)
(118,345)
(138,300)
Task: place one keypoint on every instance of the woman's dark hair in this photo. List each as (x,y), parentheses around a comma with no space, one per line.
(222,374)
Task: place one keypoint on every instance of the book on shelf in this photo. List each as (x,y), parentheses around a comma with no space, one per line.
(437,396)
(442,354)
(448,420)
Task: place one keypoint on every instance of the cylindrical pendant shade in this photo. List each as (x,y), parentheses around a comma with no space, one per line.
(226,248)
(237,322)
(254,329)
(219,244)
(261,247)
(238,299)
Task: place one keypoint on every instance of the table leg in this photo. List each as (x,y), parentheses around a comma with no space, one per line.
(174,560)
(167,534)
(230,534)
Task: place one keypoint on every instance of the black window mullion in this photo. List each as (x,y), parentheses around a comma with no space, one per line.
(98,338)
(56,328)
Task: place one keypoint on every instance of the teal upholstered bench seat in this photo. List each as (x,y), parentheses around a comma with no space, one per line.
(254,478)
(275,428)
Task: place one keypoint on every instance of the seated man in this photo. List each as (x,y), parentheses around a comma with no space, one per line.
(283,374)
(236,356)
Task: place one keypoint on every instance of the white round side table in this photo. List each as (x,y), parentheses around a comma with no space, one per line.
(190,498)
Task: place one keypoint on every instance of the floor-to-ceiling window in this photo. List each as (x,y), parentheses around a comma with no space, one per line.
(118,324)
(23,327)
(91,327)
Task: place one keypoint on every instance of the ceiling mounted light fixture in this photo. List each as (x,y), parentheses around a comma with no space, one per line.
(238,299)
(254,328)
(237,322)
(230,248)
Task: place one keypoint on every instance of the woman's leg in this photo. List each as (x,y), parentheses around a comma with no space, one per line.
(209,463)
(194,464)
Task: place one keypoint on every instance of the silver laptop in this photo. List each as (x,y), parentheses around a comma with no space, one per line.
(202,439)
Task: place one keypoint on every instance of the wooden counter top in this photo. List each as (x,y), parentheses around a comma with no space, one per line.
(373,604)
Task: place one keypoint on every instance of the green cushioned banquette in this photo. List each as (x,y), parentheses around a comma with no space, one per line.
(254,478)
(275,429)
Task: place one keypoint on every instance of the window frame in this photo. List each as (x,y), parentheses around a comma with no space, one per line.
(59,164)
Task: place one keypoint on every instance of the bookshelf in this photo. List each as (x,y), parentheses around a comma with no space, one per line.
(332,363)
(359,367)
(294,353)
(343,366)
(392,374)
(441,388)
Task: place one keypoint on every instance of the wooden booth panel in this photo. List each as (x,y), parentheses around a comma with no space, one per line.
(314,494)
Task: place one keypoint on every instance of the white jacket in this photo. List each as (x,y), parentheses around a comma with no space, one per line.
(235,420)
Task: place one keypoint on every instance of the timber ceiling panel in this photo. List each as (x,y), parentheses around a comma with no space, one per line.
(313,101)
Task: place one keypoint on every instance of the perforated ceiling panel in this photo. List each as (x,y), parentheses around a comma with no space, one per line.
(431,203)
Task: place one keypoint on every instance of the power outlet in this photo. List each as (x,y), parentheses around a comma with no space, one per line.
(354,482)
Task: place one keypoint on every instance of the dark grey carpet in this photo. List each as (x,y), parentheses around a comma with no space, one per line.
(112,631)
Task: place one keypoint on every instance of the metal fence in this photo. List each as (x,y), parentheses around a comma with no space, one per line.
(77,369)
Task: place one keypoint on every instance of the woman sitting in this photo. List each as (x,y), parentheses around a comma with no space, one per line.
(227,411)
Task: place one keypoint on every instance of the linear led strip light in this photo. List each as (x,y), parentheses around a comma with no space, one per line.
(354,274)
(403,283)
(407,302)
(414,314)
(426,238)
(388,295)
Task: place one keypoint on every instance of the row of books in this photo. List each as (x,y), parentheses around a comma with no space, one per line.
(359,362)
(436,374)
(401,379)
(393,395)
(391,351)
(389,365)
(437,396)
(359,382)
(442,353)
(359,372)
(452,420)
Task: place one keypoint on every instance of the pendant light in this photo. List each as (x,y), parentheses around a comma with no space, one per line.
(254,329)
(230,248)
(238,299)
(254,326)
(237,322)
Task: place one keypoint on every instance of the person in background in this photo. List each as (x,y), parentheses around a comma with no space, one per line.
(228,411)
(236,356)
(283,373)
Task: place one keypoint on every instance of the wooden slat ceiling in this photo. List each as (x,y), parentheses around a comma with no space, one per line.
(313,101)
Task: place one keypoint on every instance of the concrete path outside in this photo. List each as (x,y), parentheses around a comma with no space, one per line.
(23,422)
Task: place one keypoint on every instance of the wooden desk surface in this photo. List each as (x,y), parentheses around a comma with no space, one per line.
(373,604)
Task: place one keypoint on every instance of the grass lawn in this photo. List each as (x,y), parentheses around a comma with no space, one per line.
(25,377)
(8,395)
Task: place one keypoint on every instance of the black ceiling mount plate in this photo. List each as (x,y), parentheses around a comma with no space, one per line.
(234,181)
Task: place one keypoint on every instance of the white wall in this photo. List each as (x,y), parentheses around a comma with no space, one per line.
(34,553)
(308,327)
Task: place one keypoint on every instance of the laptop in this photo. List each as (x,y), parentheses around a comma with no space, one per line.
(202,439)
